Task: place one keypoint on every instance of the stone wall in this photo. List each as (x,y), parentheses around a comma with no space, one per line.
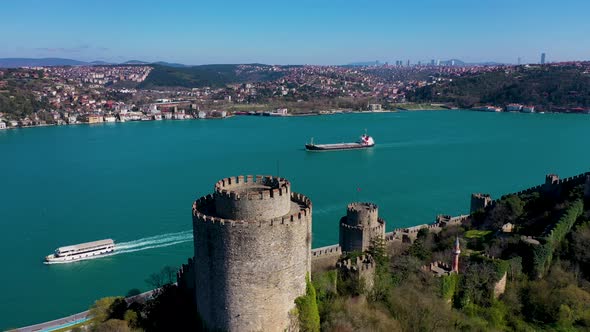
(185,277)
(325,258)
(500,286)
(553,182)
(361,268)
(249,272)
(479,201)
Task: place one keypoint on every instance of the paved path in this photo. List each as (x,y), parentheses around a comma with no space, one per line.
(76,318)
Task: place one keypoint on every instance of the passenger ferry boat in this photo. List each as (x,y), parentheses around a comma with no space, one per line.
(82,251)
(364,142)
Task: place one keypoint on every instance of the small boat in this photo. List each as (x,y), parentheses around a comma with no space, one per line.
(364,142)
(82,251)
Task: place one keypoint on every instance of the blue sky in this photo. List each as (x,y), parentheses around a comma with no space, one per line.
(296,32)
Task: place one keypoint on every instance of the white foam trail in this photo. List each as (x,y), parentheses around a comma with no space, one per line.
(126,251)
(154,241)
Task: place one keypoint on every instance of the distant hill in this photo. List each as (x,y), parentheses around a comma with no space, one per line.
(169,64)
(29,62)
(548,87)
(205,75)
(48,62)
(100,63)
(134,62)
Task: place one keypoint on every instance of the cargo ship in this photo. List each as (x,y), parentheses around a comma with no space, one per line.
(364,142)
(82,251)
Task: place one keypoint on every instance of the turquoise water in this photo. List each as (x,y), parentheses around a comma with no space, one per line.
(135,183)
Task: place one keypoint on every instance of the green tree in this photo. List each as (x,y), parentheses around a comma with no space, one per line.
(101,309)
(307,307)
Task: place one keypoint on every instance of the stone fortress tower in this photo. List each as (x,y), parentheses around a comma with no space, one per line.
(480,201)
(252,241)
(359,226)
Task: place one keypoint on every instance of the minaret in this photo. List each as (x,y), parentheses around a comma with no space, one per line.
(456,253)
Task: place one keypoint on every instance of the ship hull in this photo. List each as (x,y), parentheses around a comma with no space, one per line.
(336,147)
(52,259)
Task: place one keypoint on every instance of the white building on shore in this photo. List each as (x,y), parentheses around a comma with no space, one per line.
(2,125)
(513,108)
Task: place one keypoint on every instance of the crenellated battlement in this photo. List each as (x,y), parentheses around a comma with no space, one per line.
(327,251)
(438,268)
(203,211)
(360,228)
(360,263)
(252,187)
(360,225)
(551,179)
(362,214)
(552,183)
(357,206)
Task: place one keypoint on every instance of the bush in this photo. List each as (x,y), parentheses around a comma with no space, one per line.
(307,307)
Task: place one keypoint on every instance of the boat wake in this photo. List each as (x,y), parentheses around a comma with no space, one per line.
(152,242)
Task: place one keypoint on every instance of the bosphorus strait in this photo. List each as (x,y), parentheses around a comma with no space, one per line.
(135,183)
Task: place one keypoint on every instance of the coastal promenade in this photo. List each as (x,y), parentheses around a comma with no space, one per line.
(77,318)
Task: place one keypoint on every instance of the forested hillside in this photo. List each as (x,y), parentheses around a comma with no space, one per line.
(546,86)
(207,75)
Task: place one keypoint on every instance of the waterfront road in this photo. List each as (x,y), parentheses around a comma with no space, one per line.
(78,318)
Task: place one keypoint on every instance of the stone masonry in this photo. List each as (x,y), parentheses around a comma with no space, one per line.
(361,268)
(252,241)
(359,226)
(480,201)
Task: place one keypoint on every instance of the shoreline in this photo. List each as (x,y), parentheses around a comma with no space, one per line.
(314,113)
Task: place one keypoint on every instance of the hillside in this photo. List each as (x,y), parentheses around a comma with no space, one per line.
(29,62)
(207,75)
(546,87)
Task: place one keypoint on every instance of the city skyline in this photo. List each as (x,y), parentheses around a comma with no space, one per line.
(326,33)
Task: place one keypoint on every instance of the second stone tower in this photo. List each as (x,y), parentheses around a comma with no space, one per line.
(360,225)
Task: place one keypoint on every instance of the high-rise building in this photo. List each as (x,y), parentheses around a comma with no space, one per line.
(432,62)
(408,63)
(542,58)
(519,61)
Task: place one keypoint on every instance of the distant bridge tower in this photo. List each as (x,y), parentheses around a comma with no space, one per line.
(360,225)
(252,241)
(456,253)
